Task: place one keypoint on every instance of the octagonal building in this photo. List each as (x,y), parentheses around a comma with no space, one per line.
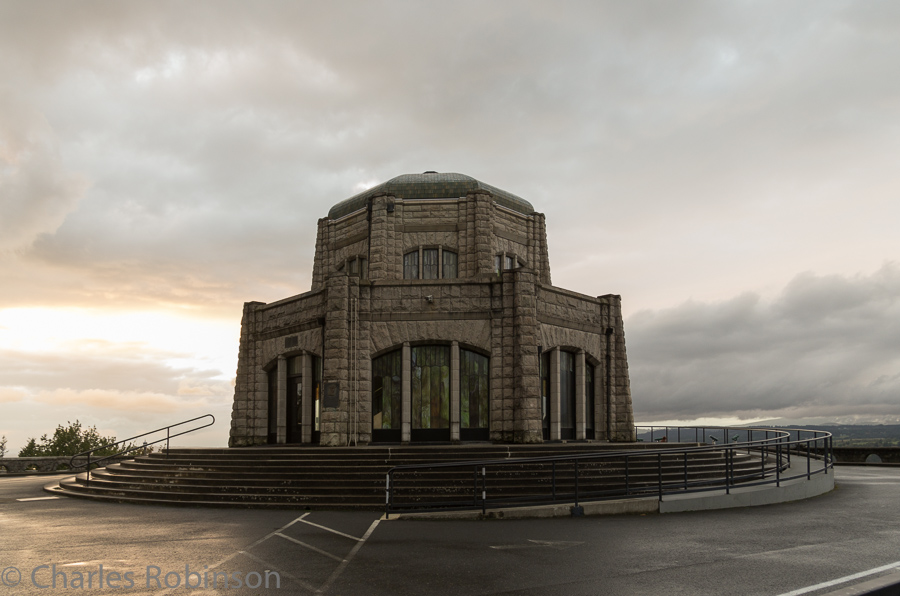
(432,318)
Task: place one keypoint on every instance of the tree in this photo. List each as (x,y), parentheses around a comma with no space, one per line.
(69,440)
(3,446)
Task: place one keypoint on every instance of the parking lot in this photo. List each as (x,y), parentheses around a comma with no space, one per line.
(773,550)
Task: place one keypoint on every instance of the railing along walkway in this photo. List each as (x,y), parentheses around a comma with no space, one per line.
(89,463)
(761,458)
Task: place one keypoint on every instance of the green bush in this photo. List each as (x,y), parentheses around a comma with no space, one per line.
(69,440)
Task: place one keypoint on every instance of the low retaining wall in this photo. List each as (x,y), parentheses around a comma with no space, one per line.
(887,455)
(859,455)
(28,465)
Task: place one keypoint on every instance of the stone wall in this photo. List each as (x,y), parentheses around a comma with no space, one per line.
(268,331)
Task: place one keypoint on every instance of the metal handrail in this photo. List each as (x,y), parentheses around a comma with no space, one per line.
(775,445)
(142,446)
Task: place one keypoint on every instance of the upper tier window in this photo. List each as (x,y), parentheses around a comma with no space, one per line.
(430,263)
(505,261)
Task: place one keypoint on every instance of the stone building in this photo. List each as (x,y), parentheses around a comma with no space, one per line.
(431,317)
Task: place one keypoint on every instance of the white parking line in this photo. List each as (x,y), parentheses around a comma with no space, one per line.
(842,580)
(38,499)
(311,547)
(345,562)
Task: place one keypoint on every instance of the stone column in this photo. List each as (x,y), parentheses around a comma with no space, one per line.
(248,386)
(580,395)
(308,415)
(378,239)
(484,233)
(336,365)
(526,365)
(555,424)
(454,391)
(318,276)
(406,393)
(542,257)
(623,417)
(282,400)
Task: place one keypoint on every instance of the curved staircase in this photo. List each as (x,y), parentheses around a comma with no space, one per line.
(354,477)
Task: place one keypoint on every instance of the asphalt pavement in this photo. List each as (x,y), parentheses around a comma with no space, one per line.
(806,547)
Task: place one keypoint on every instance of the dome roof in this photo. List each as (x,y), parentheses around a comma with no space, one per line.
(430,185)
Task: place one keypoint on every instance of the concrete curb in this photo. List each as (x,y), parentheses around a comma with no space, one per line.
(753,496)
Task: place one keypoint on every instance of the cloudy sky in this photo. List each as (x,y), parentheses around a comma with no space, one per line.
(729,168)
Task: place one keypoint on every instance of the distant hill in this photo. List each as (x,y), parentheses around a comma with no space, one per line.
(845,435)
(861,435)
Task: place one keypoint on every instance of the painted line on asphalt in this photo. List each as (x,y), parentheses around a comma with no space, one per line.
(311,547)
(345,562)
(843,580)
(243,552)
(332,530)
(38,499)
(281,572)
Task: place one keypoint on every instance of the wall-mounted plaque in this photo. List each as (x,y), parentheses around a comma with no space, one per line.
(332,395)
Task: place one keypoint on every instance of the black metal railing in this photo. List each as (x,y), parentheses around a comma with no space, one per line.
(130,447)
(743,456)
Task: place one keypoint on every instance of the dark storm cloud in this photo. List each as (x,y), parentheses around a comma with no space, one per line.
(826,346)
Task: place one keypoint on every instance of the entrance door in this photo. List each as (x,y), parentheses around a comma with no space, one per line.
(545,395)
(430,393)
(294,405)
(566,395)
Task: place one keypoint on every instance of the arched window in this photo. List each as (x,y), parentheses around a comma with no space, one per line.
(386,397)
(430,263)
(426,400)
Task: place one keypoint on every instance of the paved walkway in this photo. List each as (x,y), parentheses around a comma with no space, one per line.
(771,550)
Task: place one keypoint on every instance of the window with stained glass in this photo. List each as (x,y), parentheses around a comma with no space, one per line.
(474,382)
(430,390)
(386,391)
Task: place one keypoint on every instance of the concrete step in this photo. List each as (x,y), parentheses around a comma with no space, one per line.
(355,477)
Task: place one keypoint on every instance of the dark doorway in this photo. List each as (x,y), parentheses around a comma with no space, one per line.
(566,396)
(294,401)
(545,395)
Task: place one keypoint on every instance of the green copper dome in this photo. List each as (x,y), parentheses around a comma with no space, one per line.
(430,185)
